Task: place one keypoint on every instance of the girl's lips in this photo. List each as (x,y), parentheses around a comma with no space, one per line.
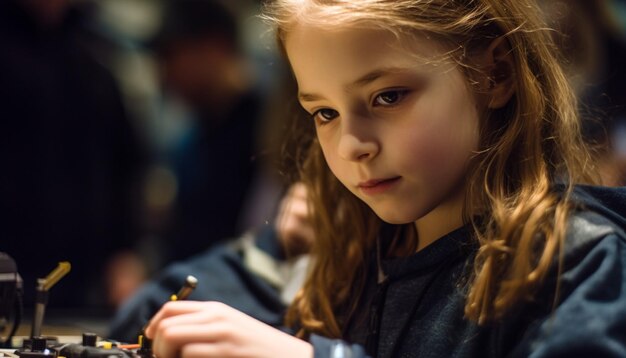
(377,186)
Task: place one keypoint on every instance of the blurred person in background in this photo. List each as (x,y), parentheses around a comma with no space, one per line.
(259,273)
(69,159)
(204,70)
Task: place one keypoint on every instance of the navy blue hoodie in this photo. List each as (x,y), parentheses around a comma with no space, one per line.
(418,310)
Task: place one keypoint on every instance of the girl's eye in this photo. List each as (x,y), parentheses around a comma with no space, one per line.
(389,98)
(325,114)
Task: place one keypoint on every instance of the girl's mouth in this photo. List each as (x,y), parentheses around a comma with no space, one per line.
(377,186)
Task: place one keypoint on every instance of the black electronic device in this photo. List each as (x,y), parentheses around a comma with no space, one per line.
(10,299)
(38,346)
(43,347)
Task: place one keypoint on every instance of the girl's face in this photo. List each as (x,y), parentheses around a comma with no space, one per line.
(397,130)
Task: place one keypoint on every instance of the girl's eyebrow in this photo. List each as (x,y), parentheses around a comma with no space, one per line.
(309,97)
(361,81)
(376,74)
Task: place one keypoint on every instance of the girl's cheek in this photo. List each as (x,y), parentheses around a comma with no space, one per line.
(436,153)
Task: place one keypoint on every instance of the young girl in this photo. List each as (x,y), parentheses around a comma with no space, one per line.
(444,147)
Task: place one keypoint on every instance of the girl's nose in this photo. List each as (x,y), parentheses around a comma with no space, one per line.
(355,146)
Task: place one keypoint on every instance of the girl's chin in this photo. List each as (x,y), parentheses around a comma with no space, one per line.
(394,217)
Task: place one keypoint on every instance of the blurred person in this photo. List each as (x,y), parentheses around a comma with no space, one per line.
(203,68)
(68,155)
(259,273)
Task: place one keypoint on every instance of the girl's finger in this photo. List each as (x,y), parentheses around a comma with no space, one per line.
(169,341)
(204,350)
(171,309)
(206,316)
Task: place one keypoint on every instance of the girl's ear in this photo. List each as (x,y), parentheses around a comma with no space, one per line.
(499,73)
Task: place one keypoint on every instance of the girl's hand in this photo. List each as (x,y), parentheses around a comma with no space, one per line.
(212,329)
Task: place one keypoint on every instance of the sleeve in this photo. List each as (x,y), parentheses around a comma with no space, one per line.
(590,321)
(222,276)
(137,311)
(333,348)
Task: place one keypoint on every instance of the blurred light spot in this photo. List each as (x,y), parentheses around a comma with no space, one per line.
(161,188)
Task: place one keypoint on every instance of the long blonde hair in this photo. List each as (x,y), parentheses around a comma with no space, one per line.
(527,147)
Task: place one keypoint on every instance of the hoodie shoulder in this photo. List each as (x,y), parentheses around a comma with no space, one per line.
(590,315)
(599,212)
(606,201)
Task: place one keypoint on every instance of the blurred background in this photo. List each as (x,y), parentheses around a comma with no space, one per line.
(134,133)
